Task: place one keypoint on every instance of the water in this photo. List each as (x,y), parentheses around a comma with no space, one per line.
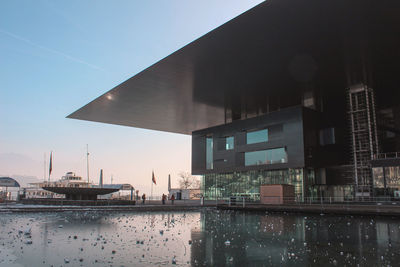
(204,238)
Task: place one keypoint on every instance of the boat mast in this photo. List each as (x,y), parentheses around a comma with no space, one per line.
(87,162)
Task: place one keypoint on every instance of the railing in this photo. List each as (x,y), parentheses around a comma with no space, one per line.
(237,200)
(177,202)
(276,200)
(389,155)
(240,201)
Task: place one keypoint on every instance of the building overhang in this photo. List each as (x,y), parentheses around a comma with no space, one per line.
(270,54)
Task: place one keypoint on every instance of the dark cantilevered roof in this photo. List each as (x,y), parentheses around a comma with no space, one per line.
(277,50)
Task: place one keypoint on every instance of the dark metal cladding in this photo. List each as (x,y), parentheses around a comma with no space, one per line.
(285,130)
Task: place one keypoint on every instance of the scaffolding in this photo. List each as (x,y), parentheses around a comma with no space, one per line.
(361,108)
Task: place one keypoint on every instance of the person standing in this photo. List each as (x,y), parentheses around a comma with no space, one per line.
(163,198)
(173,198)
(143,198)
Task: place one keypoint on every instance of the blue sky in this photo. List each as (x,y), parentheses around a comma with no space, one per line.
(56,56)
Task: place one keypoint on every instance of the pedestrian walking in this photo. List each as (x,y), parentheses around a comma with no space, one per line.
(143,198)
(163,198)
(173,198)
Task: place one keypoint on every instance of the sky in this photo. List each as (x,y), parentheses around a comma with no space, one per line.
(56,56)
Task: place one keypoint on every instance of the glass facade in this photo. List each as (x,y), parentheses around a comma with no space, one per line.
(262,157)
(209,153)
(329,193)
(386,181)
(254,137)
(229,143)
(378,177)
(247,183)
(392,175)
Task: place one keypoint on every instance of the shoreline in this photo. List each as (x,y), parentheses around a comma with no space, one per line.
(138,208)
(331,209)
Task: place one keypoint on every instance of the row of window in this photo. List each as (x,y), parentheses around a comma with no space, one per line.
(247,183)
(326,137)
(261,157)
(270,156)
(388,177)
(253,137)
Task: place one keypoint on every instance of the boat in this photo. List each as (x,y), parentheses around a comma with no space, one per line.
(70,179)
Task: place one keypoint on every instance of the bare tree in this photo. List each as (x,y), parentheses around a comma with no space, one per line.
(187,181)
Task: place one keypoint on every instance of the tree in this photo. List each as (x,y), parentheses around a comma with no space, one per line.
(187,181)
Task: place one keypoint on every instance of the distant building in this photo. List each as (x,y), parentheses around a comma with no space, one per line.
(185,194)
(5,184)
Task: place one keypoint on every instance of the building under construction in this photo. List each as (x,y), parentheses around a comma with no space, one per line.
(290,92)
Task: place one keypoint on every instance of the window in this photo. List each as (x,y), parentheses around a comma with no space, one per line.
(257,136)
(229,143)
(209,153)
(255,158)
(377,174)
(308,100)
(247,183)
(228,115)
(392,177)
(327,136)
(390,134)
(262,157)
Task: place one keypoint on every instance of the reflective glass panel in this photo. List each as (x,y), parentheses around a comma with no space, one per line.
(247,183)
(277,155)
(392,177)
(378,177)
(270,156)
(255,158)
(257,136)
(229,143)
(209,153)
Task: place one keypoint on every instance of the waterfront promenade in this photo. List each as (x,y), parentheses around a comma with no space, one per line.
(154,205)
(334,209)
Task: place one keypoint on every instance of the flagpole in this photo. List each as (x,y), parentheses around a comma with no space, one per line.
(50,165)
(87,163)
(44,167)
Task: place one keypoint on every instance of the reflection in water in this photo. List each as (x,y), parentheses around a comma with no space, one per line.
(206,238)
(248,239)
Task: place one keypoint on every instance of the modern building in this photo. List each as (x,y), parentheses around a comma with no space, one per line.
(290,92)
(6,183)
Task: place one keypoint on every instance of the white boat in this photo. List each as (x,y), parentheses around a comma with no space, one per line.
(70,179)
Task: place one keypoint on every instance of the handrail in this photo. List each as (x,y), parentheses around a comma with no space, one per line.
(277,200)
(387,155)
